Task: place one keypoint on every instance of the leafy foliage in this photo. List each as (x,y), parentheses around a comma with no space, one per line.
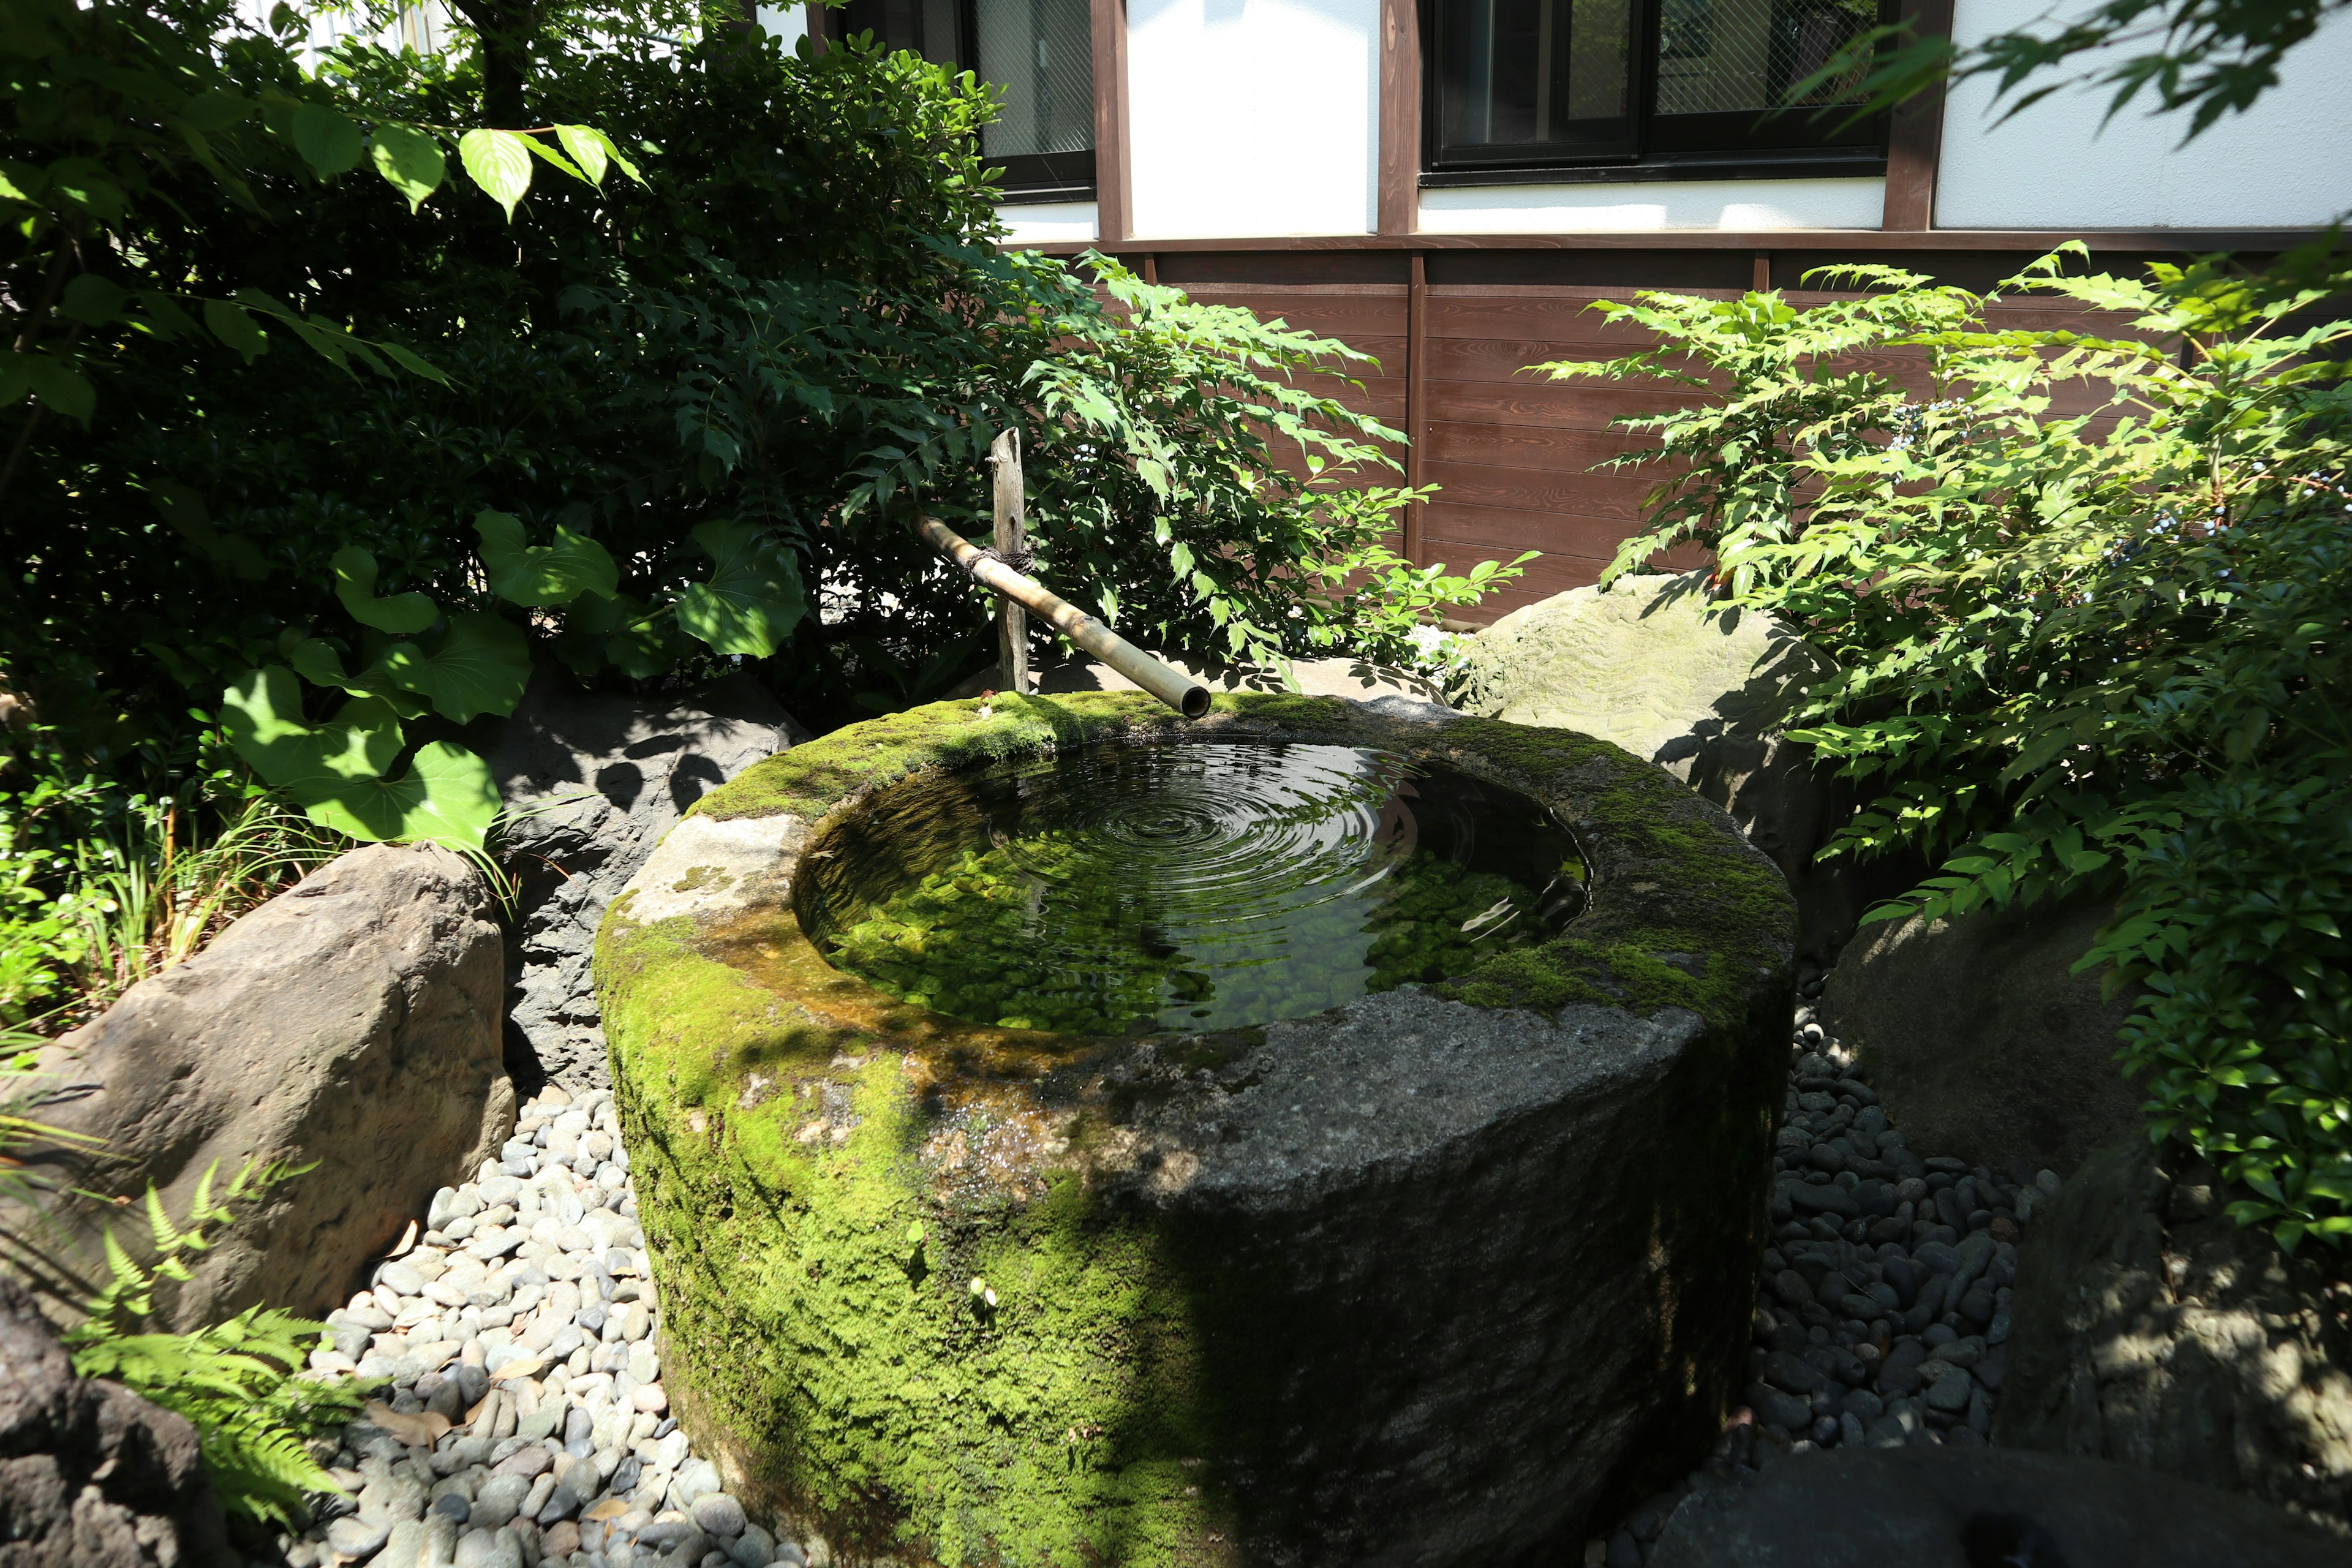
(240,1383)
(2097,652)
(2210,57)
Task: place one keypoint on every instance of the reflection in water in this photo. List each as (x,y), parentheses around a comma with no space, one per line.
(1196,886)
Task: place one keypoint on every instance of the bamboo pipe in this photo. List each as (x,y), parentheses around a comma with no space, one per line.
(1180,691)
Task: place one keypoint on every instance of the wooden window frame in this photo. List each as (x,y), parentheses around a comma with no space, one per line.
(1099,174)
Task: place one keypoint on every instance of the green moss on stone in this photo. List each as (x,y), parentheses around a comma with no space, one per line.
(784,1160)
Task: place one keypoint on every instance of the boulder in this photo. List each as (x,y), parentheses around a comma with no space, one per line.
(1974,1507)
(2149,1327)
(1655,666)
(1428,1278)
(591,781)
(91,1476)
(1980,1041)
(352,1021)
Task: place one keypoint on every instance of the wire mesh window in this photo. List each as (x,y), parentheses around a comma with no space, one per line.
(1560,82)
(1039,53)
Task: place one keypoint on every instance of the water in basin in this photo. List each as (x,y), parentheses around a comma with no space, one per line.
(1195,885)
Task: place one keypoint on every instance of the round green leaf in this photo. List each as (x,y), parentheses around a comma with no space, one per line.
(752,600)
(446,795)
(480,667)
(355,586)
(540,574)
(329,142)
(410,160)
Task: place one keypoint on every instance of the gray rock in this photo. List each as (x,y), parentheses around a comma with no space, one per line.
(500,1498)
(2148,1327)
(404,1546)
(639,764)
(486,1548)
(1947,1507)
(1787,1412)
(357,1538)
(715,1513)
(352,1021)
(1787,1371)
(1655,666)
(1949,1390)
(1810,1198)
(1979,1039)
(89,1472)
(755,1548)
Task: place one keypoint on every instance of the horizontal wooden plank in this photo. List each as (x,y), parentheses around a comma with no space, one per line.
(1522,445)
(1500,532)
(1570,404)
(1617,496)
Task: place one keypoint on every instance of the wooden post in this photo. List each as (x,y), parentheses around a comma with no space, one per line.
(1010,539)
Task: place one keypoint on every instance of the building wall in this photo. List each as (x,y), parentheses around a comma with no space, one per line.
(2286,161)
(1746,205)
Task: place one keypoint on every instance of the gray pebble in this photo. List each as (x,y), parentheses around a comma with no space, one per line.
(719,1514)
(500,1498)
(453,1505)
(755,1548)
(355,1537)
(1950,1390)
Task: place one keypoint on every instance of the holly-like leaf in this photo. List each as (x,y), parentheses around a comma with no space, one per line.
(540,574)
(329,142)
(446,795)
(355,586)
(410,160)
(752,600)
(499,161)
(480,667)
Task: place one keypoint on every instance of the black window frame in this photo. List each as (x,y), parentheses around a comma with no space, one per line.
(1724,145)
(1029,179)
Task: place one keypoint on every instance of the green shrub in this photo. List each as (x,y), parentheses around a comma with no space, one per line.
(240,1383)
(2102,652)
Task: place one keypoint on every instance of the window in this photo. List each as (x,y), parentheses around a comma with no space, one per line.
(1040,52)
(1647,87)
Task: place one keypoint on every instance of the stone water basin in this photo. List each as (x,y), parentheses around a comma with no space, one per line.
(1387,1248)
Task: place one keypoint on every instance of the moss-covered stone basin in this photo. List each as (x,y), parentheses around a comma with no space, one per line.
(1424,1278)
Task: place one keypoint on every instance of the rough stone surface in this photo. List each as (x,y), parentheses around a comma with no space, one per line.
(594,780)
(1651,666)
(1943,1508)
(352,1021)
(91,1476)
(2151,1328)
(1979,1040)
(1421,1280)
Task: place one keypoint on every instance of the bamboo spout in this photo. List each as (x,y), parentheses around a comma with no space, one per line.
(1180,691)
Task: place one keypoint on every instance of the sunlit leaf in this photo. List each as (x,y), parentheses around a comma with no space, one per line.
(355,574)
(753,599)
(499,161)
(410,160)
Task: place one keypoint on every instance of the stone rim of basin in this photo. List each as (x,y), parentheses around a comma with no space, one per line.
(834,1169)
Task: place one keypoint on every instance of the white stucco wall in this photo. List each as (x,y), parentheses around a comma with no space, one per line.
(2286,161)
(1041,223)
(789,23)
(1252,117)
(1737,205)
